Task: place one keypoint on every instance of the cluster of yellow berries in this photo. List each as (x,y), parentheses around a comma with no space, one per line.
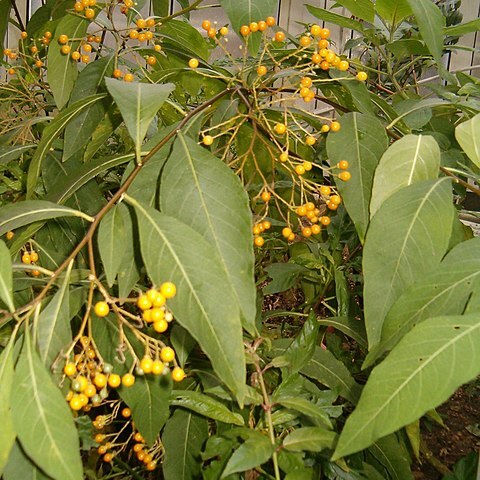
(212,31)
(344,175)
(82,54)
(85,6)
(332,201)
(258,229)
(153,306)
(29,257)
(261,26)
(31,59)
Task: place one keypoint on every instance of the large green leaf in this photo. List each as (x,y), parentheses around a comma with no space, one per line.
(173,251)
(361,141)
(148,398)
(138,104)
(62,70)
(314,439)
(43,420)
(19,214)
(206,406)
(335,18)
(111,242)
(19,466)
(184,35)
(50,134)
(411,159)
(421,372)
(462,28)
(201,191)
(407,239)
(79,131)
(329,371)
(53,327)
(12,152)
(393,12)
(468,136)
(257,449)
(7,432)
(444,291)
(393,456)
(183,439)
(363,9)
(431,22)
(247,11)
(315,412)
(6,276)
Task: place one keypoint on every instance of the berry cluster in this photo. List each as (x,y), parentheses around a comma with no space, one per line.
(29,257)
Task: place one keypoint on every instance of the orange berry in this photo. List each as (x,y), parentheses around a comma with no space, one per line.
(259,241)
(128,77)
(323,43)
(315,229)
(306,82)
(141,23)
(117,73)
(335,126)
(89,13)
(65,49)
(306,231)
(324,33)
(325,220)
(299,169)
(262,70)
(127,381)
(305,41)
(325,190)
(270,21)
(266,196)
(206,24)
(345,176)
(343,66)
(315,30)
(223,31)
(253,27)
(279,37)
(212,33)
(343,165)
(151,61)
(286,232)
(244,30)
(262,26)
(316,58)
(114,380)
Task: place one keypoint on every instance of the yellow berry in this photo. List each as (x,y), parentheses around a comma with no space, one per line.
(286,232)
(266,196)
(157,367)
(335,126)
(128,380)
(262,70)
(299,169)
(146,364)
(101,309)
(345,176)
(9,235)
(362,76)
(143,302)
(114,380)
(167,354)
(160,326)
(193,63)
(315,229)
(178,374)
(207,140)
(128,77)
(343,66)
(259,241)
(70,369)
(310,140)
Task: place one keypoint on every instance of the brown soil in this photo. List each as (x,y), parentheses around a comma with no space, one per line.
(461,415)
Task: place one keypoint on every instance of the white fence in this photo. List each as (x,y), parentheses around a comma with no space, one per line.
(292,13)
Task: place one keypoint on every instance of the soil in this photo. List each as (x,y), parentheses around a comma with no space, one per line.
(459,437)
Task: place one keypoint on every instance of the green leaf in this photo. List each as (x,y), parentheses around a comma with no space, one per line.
(363,9)
(393,456)
(53,327)
(7,432)
(79,131)
(411,159)
(19,466)
(50,134)
(138,104)
(206,406)
(171,248)
(12,152)
(335,18)
(307,408)
(43,420)
(62,71)
(18,214)
(257,449)
(393,12)
(148,398)
(314,439)
(112,242)
(284,276)
(462,28)
(431,22)
(444,291)
(407,239)
(413,111)
(6,276)
(182,342)
(161,7)
(329,371)
(247,11)
(421,372)
(362,141)
(183,438)
(301,350)
(5,8)
(468,136)
(351,327)
(203,192)
(186,36)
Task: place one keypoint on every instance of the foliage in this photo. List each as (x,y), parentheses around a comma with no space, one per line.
(203,275)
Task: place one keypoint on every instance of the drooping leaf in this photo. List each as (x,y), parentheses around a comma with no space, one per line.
(50,134)
(19,214)
(444,291)
(138,104)
(6,280)
(201,191)
(183,439)
(79,131)
(462,28)
(12,152)
(314,439)
(112,242)
(53,327)
(257,449)
(349,326)
(329,371)
(62,71)
(431,22)
(393,12)
(407,239)
(7,432)
(172,250)
(307,408)
(393,457)
(335,18)
(148,398)
(468,136)
(247,11)
(183,34)
(363,9)
(51,440)
(20,466)
(361,141)
(411,159)
(421,372)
